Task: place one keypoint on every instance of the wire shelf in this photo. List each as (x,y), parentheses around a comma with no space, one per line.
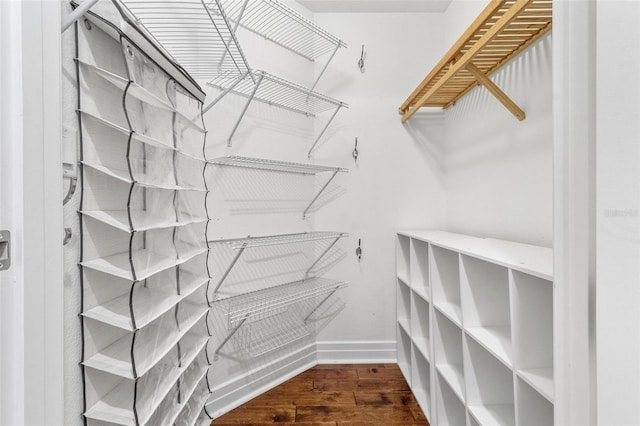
(275,333)
(249,242)
(196,35)
(265,303)
(283,26)
(274,165)
(241,244)
(267,319)
(278,92)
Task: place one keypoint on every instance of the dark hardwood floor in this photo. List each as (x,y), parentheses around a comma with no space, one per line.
(334,395)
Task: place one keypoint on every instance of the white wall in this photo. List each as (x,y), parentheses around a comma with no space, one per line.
(398,181)
(617,212)
(499,175)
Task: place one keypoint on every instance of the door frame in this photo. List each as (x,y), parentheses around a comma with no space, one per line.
(32,302)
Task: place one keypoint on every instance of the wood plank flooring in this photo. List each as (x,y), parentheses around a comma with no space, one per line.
(334,395)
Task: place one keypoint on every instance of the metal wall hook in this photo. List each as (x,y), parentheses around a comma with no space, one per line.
(363,55)
(355,152)
(68,234)
(69,171)
(359,250)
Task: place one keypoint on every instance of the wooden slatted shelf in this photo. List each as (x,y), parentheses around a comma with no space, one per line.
(499,33)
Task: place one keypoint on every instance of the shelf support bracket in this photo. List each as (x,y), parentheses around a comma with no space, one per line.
(216,355)
(315,83)
(306,274)
(229,268)
(77,13)
(304,214)
(320,304)
(323,130)
(225,92)
(235,29)
(496,91)
(244,110)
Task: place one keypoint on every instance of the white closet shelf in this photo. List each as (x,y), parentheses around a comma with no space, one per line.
(256,311)
(115,407)
(197,36)
(496,340)
(302,237)
(143,220)
(274,165)
(283,26)
(452,374)
(259,304)
(421,292)
(541,379)
(422,345)
(130,88)
(147,305)
(269,89)
(404,324)
(278,92)
(493,414)
(453,311)
(241,244)
(124,176)
(116,358)
(276,332)
(119,265)
(404,279)
(135,136)
(531,260)
(282,167)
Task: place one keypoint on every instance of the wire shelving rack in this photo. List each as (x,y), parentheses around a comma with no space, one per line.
(285,27)
(242,244)
(199,36)
(282,167)
(270,309)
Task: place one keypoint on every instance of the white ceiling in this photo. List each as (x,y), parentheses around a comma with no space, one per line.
(380,6)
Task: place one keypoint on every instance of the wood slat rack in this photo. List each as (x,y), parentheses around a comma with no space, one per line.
(503,30)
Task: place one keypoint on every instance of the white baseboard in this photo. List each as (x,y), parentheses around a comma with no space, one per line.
(377,352)
(245,387)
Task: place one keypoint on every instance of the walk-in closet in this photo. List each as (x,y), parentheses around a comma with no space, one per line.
(350,212)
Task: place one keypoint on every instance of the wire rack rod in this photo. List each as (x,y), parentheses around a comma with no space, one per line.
(268,319)
(281,25)
(264,303)
(273,165)
(276,333)
(241,244)
(249,242)
(278,92)
(196,35)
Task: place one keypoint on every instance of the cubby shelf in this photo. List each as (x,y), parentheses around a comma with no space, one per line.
(493,414)
(452,374)
(487,326)
(541,379)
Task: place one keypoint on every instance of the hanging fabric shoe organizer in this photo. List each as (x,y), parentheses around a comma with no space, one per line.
(145,312)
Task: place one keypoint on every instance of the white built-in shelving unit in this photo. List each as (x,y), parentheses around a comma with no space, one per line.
(475,328)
